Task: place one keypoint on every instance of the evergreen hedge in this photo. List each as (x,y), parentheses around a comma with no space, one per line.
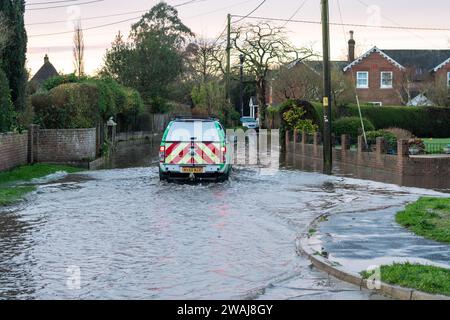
(424,122)
(72,102)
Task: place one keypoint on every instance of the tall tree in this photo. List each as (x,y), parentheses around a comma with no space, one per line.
(78,50)
(204,60)
(153,58)
(265,47)
(13,57)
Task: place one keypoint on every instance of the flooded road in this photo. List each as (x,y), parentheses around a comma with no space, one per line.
(121,234)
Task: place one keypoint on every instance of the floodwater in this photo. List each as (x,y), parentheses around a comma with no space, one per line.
(122,234)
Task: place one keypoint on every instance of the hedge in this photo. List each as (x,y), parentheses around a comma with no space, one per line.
(351,126)
(424,122)
(73,102)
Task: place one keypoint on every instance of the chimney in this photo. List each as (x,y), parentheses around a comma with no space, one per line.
(351,48)
(46,60)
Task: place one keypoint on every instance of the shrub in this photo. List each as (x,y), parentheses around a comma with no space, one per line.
(400,133)
(421,121)
(295,120)
(55,81)
(70,105)
(390,140)
(76,102)
(351,126)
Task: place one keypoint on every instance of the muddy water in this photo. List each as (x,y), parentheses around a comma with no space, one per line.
(120,233)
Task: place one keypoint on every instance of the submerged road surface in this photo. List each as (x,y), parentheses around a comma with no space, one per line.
(120,233)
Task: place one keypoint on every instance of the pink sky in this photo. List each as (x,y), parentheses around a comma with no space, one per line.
(207,19)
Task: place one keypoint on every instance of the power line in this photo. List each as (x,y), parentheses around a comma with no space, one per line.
(346,24)
(251,12)
(89,18)
(134,12)
(65,5)
(48,2)
(403,28)
(107,24)
(295,13)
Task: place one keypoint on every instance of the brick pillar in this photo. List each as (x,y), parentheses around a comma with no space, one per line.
(295,136)
(381,150)
(316,142)
(345,142)
(33,143)
(381,145)
(361,146)
(304,140)
(304,137)
(345,146)
(402,148)
(402,155)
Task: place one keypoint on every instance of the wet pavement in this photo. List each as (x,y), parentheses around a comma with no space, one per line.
(121,233)
(357,240)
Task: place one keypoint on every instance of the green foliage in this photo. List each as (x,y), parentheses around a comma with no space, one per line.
(7,113)
(81,102)
(70,105)
(295,120)
(152,59)
(210,100)
(428,217)
(29,172)
(351,126)
(425,278)
(13,56)
(13,194)
(388,136)
(421,121)
(55,81)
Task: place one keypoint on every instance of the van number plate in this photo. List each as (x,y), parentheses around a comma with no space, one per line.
(192,170)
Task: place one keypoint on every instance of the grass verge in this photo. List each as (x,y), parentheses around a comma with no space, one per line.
(13,194)
(430,279)
(428,217)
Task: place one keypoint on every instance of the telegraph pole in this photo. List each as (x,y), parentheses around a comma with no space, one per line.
(228,69)
(241,75)
(327,149)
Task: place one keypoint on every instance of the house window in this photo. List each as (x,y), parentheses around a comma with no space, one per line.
(362,79)
(386,80)
(448,79)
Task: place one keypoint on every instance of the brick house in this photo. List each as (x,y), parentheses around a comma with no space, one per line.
(381,77)
(396,77)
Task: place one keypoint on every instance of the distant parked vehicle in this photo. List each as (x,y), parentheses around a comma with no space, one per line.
(194,149)
(249,122)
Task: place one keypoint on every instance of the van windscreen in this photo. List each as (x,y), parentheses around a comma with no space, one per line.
(193,131)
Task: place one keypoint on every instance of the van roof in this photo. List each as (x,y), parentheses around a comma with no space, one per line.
(195,119)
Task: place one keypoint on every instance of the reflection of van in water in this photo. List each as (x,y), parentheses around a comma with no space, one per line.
(194,149)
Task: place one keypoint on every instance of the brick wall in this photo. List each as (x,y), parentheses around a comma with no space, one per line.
(66,145)
(13,150)
(427,167)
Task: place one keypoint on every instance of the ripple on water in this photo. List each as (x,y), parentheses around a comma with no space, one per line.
(131,236)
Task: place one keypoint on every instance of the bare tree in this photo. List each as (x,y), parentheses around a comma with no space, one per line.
(205,60)
(78,50)
(265,47)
